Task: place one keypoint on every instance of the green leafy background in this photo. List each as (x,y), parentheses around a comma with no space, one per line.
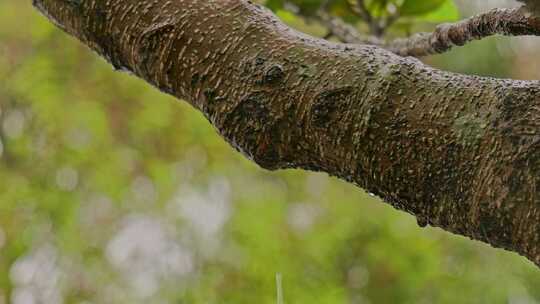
(111,192)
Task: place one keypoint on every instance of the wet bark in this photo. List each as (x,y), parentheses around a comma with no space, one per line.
(459,152)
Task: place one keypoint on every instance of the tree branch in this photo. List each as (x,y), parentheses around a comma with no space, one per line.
(359,8)
(376,28)
(458,152)
(509,22)
(532,5)
(345,32)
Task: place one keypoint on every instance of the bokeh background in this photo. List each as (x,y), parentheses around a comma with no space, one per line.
(111,192)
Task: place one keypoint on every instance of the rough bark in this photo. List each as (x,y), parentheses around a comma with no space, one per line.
(459,152)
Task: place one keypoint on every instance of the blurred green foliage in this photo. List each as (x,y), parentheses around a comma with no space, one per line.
(112,192)
(406,12)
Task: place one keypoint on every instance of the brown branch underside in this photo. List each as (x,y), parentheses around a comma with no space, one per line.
(458,152)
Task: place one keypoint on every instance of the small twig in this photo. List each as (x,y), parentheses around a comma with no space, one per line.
(362,10)
(376,25)
(532,5)
(508,22)
(391,19)
(345,32)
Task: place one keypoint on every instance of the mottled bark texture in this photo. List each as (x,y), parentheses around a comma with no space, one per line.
(508,22)
(459,152)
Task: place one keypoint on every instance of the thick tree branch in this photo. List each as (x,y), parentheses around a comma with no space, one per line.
(458,152)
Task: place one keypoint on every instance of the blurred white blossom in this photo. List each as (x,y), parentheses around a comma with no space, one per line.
(143,190)
(316,184)
(36,277)
(13,124)
(146,253)
(302,216)
(67,178)
(23,296)
(357,277)
(206,212)
(78,138)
